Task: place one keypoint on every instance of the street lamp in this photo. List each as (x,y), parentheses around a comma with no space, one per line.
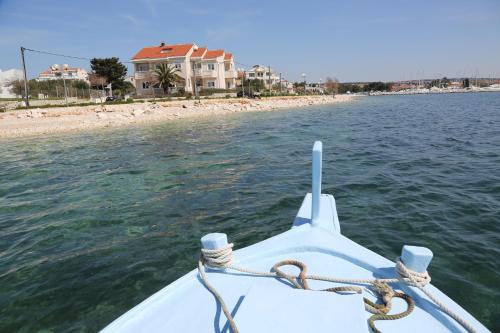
(304,78)
(57,68)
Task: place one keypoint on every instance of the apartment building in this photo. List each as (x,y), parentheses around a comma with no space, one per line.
(265,74)
(198,67)
(56,72)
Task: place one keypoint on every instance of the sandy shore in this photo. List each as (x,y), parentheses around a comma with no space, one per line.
(35,122)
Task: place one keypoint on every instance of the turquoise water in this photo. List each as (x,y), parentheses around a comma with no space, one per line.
(92,224)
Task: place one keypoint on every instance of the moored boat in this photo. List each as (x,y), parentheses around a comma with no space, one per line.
(310,278)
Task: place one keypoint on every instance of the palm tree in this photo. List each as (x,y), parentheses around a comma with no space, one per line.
(166,75)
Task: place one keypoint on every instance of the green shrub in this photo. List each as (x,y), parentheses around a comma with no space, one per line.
(211,91)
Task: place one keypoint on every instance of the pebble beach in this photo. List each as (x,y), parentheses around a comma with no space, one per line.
(42,121)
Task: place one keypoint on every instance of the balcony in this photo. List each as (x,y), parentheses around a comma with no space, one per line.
(205,73)
(141,75)
(231,74)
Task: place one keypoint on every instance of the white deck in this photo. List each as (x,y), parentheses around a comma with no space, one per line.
(187,306)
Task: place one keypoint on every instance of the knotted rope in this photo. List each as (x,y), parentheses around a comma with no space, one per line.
(222,258)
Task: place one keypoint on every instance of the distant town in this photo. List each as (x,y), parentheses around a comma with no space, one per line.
(189,70)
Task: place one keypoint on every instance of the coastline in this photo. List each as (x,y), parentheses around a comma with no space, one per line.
(37,122)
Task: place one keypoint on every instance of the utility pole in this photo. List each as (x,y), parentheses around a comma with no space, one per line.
(26,92)
(242,84)
(65,90)
(269,72)
(281,90)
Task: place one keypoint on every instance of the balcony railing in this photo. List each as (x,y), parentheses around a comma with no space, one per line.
(231,74)
(141,75)
(205,73)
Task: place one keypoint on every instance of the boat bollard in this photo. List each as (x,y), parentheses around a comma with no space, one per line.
(416,258)
(316,181)
(214,241)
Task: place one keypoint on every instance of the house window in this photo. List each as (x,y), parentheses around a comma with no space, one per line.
(178,66)
(145,85)
(211,67)
(260,74)
(197,66)
(228,85)
(157,66)
(251,74)
(142,67)
(211,84)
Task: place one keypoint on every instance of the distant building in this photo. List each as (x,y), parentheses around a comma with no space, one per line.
(398,86)
(265,74)
(315,88)
(240,76)
(456,85)
(197,67)
(130,79)
(56,73)
(287,86)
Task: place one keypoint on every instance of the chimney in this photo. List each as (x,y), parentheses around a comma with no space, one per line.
(162,43)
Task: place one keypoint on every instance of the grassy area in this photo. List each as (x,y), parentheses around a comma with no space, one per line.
(46,106)
(141,100)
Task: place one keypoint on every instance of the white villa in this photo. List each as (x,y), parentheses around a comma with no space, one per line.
(55,73)
(265,74)
(207,69)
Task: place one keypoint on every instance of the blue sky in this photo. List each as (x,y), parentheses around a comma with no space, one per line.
(351,40)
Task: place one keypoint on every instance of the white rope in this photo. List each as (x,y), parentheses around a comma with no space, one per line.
(420,280)
(212,289)
(223,258)
(219,258)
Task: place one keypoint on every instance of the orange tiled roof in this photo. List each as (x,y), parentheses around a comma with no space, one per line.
(165,51)
(211,54)
(199,53)
(228,56)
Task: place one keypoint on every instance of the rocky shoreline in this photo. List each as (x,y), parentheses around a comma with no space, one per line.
(41,121)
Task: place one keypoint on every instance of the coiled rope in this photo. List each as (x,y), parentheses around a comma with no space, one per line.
(223,258)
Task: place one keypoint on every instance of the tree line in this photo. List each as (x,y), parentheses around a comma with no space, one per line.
(104,71)
(51,88)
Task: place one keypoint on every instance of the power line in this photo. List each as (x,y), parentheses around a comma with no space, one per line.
(65,55)
(244,65)
(57,54)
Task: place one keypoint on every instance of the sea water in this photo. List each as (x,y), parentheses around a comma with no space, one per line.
(93,223)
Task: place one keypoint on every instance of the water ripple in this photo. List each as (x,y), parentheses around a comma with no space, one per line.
(93,223)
